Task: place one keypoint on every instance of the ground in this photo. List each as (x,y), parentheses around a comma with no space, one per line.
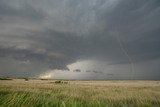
(48,93)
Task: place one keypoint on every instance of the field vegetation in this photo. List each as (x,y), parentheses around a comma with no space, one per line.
(52,93)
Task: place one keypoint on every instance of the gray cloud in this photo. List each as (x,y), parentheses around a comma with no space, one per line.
(57,33)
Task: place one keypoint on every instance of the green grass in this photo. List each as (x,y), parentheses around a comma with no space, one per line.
(20,93)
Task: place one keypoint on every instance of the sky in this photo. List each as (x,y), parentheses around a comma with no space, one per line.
(80,39)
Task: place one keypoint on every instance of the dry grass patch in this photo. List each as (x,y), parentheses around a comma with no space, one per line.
(48,93)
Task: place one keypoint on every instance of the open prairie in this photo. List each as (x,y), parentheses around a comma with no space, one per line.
(52,93)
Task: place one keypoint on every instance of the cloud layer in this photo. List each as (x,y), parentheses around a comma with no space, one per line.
(37,35)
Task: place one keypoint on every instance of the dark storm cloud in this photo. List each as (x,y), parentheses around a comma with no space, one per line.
(24,11)
(57,33)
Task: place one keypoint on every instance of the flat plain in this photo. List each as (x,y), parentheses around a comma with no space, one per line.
(50,93)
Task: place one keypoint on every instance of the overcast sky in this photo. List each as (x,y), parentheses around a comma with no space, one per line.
(80,39)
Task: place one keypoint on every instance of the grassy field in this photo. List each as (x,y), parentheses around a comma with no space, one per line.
(47,93)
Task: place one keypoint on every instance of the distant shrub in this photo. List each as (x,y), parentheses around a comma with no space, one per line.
(5,79)
(62,82)
(58,82)
(26,79)
(43,79)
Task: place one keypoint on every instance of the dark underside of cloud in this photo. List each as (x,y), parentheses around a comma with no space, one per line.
(37,35)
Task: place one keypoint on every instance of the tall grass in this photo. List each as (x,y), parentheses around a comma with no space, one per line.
(20,93)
